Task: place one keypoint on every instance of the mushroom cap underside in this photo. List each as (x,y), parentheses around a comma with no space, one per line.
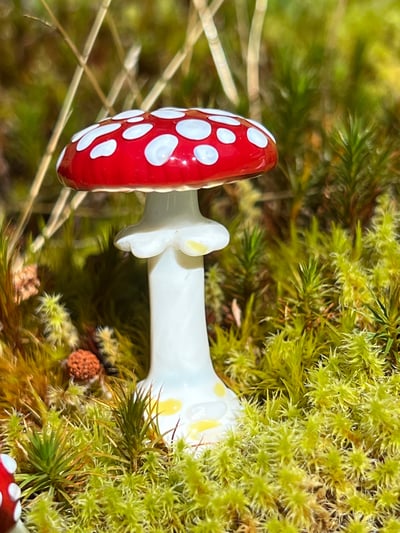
(166,149)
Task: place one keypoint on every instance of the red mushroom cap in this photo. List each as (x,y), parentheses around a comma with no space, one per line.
(10,493)
(166,149)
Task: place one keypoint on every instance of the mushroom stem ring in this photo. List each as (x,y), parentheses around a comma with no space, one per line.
(192,401)
(169,153)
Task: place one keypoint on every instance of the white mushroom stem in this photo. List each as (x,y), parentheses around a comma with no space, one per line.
(174,236)
(179,332)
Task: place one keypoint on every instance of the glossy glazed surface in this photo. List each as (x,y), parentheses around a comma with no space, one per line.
(166,149)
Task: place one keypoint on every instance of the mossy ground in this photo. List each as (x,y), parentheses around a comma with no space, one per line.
(303,306)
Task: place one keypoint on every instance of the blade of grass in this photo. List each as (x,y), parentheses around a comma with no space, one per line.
(253,58)
(61,212)
(191,22)
(217,51)
(178,59)
(60,125)
(242,24)
(129,61)
(55,214)
(125,75)
(81,59)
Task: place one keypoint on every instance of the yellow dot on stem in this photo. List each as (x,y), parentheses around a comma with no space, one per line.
(197,247)
(220,390)
(169,407)
(198,427)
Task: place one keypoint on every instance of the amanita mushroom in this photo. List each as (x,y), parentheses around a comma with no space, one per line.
(169,153)
(10,493)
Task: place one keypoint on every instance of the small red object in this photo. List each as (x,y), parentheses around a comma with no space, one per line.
(83,365)
(167,149)
(10,493)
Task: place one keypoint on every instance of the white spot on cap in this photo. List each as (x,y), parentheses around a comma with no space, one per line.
(81,133)
(167,112)
(225,120)
(1,499)
(92,135)
(206,154)
(226,136)
(257,138)
(9,463)
(135,119)
(17,511)
(261,128)
(104,149)
(135,132)
(14,492)
(130,113)
(61,157)
(160,149)
(194,129)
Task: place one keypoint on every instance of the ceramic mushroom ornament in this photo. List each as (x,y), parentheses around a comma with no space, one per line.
(10,493)
(169,153)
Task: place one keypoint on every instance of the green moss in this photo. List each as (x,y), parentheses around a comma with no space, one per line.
(316,447)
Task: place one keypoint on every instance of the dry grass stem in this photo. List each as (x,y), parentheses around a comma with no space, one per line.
(126,75)
(82,60)
(59,126)
(55,214)
(242,25)
(61,211)
(129,60)
(192,21)
(253,58)
(75,202)
(217,51)
(178,59)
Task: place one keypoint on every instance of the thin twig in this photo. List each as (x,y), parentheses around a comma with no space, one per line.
(178,59)
(253,58)
(242,26)
(61,210)
(191,22)
(59,126)
(76,201)
(217,51)
(128,60)
(80,58)
(125,74)
(55,215)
